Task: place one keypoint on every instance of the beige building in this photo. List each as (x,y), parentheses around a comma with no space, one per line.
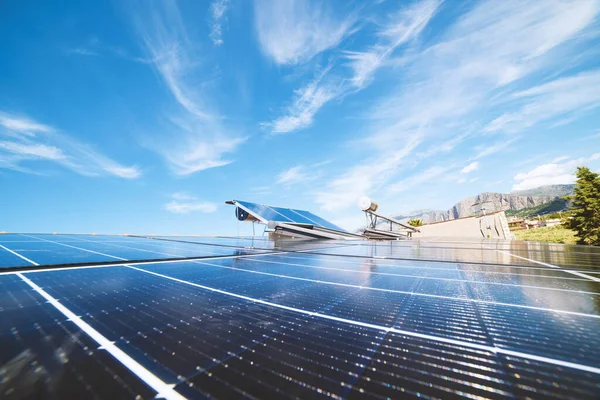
(493,226)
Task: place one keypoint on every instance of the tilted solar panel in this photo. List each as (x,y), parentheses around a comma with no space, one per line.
(319,220)
(286,215)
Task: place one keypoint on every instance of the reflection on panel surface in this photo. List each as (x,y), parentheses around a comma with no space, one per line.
(300,319)
(42,355)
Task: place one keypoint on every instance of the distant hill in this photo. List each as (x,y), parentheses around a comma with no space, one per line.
(427,216)
(540,200)
(558,204)
(547,190)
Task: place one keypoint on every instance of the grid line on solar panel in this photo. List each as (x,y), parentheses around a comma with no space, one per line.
(43,355)
(176,311)
(375,346)
(132,254)
(47,253)
(430,320)
(79,248)
(180,254)
(284,245)
(145,375)
(387,328)
(449,297)
(120,264)
(265,261)
(346,245)
(366,287)
(551,266)
(370,273)
(423,265)
(19,255)
(588,257)
(77,371)
(355,251)
(586,278)
(450,275)
(262,360)
(505,324)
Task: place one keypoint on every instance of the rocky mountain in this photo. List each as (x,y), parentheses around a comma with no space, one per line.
(427,216)
(547,190)
(493,202)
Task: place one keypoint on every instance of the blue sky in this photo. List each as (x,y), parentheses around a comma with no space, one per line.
(145,116)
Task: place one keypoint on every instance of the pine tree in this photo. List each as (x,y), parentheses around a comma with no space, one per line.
(585,207)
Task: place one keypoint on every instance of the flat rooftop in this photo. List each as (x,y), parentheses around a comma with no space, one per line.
(85,316)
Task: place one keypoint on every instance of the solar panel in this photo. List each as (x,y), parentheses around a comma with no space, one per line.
(250,317)
(82,250)
(286,215)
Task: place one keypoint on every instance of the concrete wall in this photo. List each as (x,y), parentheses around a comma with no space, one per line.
(469,227)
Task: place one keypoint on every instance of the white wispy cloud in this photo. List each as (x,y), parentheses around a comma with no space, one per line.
(494,185)
(260,190)
(25,141)
(184,203)
(486,150)
(82,51)
(406,25)
(171,51)
(120,171)
(301,174)
(417,179)
(34,150)
(463,180)
(437,148)
(591,137)
(470,71)
(325,87)
(194,138)
(190,153)
(565,97)
(307,101)
(182,196)
(294,31)
(365,178)
(491,46)
(559,159)
(22,124)
(551,174)
(474,166)
(293,175)
(218,10)
(180,207)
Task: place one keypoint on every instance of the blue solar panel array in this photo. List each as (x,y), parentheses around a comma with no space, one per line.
(286,215)
(260,319)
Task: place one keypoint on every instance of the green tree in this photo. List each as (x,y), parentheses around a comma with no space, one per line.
(585,207)
(415,222)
